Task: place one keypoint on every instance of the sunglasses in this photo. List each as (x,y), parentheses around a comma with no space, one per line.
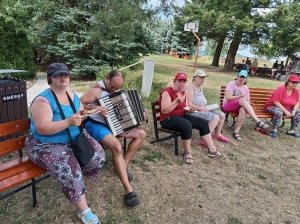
(112,86)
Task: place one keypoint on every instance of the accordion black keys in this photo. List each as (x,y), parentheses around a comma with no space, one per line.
(126,110)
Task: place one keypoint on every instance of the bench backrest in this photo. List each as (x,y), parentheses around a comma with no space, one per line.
(21,127)
(258,96)
(156,116)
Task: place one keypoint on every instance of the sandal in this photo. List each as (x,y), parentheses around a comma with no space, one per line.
(82,217)
(186,159)
(237,136)
(215,154)
(262,125)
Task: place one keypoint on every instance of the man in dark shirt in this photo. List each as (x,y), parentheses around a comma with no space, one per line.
(274,69)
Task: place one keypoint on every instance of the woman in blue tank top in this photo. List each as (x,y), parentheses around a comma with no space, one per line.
(48,144)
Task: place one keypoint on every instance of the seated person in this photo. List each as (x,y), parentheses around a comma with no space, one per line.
(172,101)
(48,144)
(97,127)
(285,100)
(278,72)
(197,101)
(237,99)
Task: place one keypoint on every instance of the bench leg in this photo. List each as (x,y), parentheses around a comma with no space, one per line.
(227,122)
(283,123)
(33,187)
(176,145)
(124,147)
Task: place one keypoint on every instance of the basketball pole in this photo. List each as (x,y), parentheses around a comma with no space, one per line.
(197,49)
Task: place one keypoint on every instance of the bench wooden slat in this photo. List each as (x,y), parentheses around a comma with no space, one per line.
(12,145)
(12,163)
(20,178)
(14,127)
(19,168)
(258,96)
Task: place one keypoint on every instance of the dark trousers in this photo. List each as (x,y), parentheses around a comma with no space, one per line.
(185,125)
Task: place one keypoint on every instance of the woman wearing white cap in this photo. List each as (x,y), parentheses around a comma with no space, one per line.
(198,102)
(173,116)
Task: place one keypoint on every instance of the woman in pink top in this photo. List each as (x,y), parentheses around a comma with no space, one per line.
(285,100)
(237,99)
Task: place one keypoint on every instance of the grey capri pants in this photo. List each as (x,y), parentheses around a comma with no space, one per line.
(185,124)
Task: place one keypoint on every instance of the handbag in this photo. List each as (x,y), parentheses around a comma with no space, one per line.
(81,147)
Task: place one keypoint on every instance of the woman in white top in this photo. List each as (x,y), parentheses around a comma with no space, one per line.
(197,101)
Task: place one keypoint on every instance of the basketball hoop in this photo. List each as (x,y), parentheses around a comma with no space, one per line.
(193,27)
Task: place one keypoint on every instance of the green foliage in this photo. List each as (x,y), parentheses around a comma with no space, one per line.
(281,36)
(15,48)
(88,36)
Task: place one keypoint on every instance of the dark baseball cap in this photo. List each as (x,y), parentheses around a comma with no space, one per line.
(56,69)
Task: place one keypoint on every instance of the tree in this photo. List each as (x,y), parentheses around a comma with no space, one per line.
(282,38)
(15,48)
(226,19)
(89,35)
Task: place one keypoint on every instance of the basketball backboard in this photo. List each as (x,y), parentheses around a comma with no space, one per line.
(194,25)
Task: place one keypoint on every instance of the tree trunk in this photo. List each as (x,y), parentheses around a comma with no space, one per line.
(218,51)
(234,46)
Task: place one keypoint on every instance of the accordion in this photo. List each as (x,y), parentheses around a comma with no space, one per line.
(126,110)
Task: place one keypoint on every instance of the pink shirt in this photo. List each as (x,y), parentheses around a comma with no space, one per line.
(280,95)
(237,90)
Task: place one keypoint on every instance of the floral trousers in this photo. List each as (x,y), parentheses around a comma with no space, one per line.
(278,113)
(60,162)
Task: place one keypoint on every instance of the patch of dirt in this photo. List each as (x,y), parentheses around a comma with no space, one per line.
(30,83)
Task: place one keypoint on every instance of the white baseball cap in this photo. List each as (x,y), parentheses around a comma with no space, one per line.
(200,73)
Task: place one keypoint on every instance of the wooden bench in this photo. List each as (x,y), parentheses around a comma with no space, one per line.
(17,171)
(158,128)
(258,96)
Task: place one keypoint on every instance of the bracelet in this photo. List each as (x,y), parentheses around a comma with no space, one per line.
(66,123)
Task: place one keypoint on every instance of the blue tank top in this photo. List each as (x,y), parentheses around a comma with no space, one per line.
(62,136)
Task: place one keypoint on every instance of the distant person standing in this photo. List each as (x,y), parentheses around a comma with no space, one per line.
(282,65)
(266,66)
(254,66)
(248,64)
(274,69)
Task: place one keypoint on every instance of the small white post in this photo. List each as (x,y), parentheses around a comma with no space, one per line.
(147,77)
